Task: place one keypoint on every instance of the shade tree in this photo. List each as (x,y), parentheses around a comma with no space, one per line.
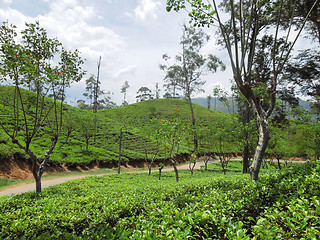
(26,60)
(172,131)
(124,89)
(246,22)
(144,94)
(189,66)
(220,94)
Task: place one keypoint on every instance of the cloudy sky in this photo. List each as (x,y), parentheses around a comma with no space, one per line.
(131,36)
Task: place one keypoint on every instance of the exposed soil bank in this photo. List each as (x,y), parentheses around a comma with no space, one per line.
(19,168)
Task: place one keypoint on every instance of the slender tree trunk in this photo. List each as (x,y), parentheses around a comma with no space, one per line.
(175,170)
(279,164)
(246,152)
(191,166)
(160,169)
(264,136)
(150,167)
(206,159)
(245,167)
(195,140)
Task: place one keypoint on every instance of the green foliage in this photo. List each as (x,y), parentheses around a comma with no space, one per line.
(137,120)
(282,205)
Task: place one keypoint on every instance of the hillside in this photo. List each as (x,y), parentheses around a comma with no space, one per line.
(138,122)
(215,104)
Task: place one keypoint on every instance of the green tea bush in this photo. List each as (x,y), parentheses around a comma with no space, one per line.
(207,205)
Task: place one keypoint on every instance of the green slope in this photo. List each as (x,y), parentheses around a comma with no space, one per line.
(137,121)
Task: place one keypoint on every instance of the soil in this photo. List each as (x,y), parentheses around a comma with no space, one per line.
(14,169)
(18,168)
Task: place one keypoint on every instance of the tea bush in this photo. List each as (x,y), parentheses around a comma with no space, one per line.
(207,205)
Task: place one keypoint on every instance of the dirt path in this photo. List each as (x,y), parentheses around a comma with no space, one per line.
(27,187)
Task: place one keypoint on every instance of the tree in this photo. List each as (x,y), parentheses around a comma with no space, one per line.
(70,123)
(86,128)
(29,63)
(209,101)
(246,20)
(172,132)
(124,88)
(99,99)
(307,12)
(144,94)
(245,118)
(304,72)
(190,66)
(220,94)
(157,92)
(171,79)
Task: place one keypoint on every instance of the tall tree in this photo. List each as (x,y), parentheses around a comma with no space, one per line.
(307,12)
(124,89)
(190,66)
(304,72)
(209,101)
(220,94)
(28,62)
(103,99)
(171,80)
(157,91)
(144,94)
(245,21)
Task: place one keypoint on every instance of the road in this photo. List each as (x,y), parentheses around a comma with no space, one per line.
(27,187)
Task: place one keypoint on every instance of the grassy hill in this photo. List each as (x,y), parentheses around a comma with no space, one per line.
(138,122)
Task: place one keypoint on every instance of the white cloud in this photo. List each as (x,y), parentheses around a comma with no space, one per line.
(126,70)
(146,9)
(5,4)
(70,20)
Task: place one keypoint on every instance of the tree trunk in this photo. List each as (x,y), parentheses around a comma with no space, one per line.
(246,159)
(175,170)
(279,164)
(38,184)
(195,140)
(206,165)
(160,169)
(264,136)
(246,152)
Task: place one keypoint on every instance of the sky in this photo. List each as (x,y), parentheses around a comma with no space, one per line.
(131,36)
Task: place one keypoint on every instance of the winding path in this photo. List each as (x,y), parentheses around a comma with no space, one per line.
(27,187)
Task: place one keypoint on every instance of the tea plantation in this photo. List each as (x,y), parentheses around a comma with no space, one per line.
(208,205)
(76,142)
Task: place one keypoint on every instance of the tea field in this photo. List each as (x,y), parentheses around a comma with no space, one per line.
(208,205)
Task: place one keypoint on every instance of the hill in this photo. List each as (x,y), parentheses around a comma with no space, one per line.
(217,105)
(76,143)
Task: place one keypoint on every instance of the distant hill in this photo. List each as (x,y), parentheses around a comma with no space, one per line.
(222,108)
(215,104)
